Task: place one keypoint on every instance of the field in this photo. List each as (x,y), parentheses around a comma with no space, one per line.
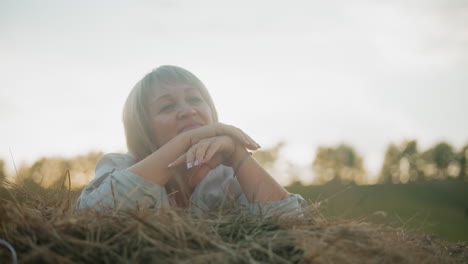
(43,227)
(438,208)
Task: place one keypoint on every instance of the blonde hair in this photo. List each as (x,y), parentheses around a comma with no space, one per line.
(141,140)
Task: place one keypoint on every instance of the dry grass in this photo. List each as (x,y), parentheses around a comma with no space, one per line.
(47,229)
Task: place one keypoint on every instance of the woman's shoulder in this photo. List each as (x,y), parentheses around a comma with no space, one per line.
(118,156)
(119,160)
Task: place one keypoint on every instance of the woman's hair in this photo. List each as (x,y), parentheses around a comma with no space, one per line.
(141,141)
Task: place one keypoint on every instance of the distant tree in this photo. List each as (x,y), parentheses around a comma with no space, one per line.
(440,157)
(50,172)
(402,164)
(462,161)
(338,164)
(390,168)
(414,169)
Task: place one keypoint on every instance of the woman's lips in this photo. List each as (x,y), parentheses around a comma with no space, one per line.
(189,127)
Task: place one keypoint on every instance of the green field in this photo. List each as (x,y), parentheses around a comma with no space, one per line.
(438,208)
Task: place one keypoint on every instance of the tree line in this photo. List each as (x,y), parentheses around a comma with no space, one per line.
(342,164)
(405,163)
(402,163)
(52,172)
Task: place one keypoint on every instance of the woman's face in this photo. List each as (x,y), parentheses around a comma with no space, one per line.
(177,108)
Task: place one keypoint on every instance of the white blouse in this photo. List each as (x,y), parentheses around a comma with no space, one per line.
(114,187)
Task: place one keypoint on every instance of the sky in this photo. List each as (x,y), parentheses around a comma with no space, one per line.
(309,73)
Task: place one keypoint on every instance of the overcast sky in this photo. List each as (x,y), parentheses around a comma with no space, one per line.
(310,73)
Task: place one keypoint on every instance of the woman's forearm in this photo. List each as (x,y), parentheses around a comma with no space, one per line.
(258,185)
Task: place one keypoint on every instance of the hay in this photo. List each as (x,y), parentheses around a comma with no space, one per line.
(41,230)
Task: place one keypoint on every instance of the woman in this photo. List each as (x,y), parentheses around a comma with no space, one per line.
(181,156)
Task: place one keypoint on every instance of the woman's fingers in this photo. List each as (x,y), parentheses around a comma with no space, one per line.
(189,158)
(212,150)
(204,156)
(181,159)
(207,148)
(250,143)
(218,129)
(195,154)
(241,136)
(204,151)
(200,152)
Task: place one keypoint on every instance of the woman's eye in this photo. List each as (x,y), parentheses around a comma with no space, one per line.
(167,107)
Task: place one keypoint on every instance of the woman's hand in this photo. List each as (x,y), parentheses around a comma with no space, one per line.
(211,146)
(204,151)
(206,155)
(154,167)
(219,129)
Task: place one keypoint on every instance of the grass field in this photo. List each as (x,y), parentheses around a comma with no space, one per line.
(440,208)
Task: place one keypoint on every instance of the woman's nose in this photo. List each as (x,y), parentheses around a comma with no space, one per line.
(186,110)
